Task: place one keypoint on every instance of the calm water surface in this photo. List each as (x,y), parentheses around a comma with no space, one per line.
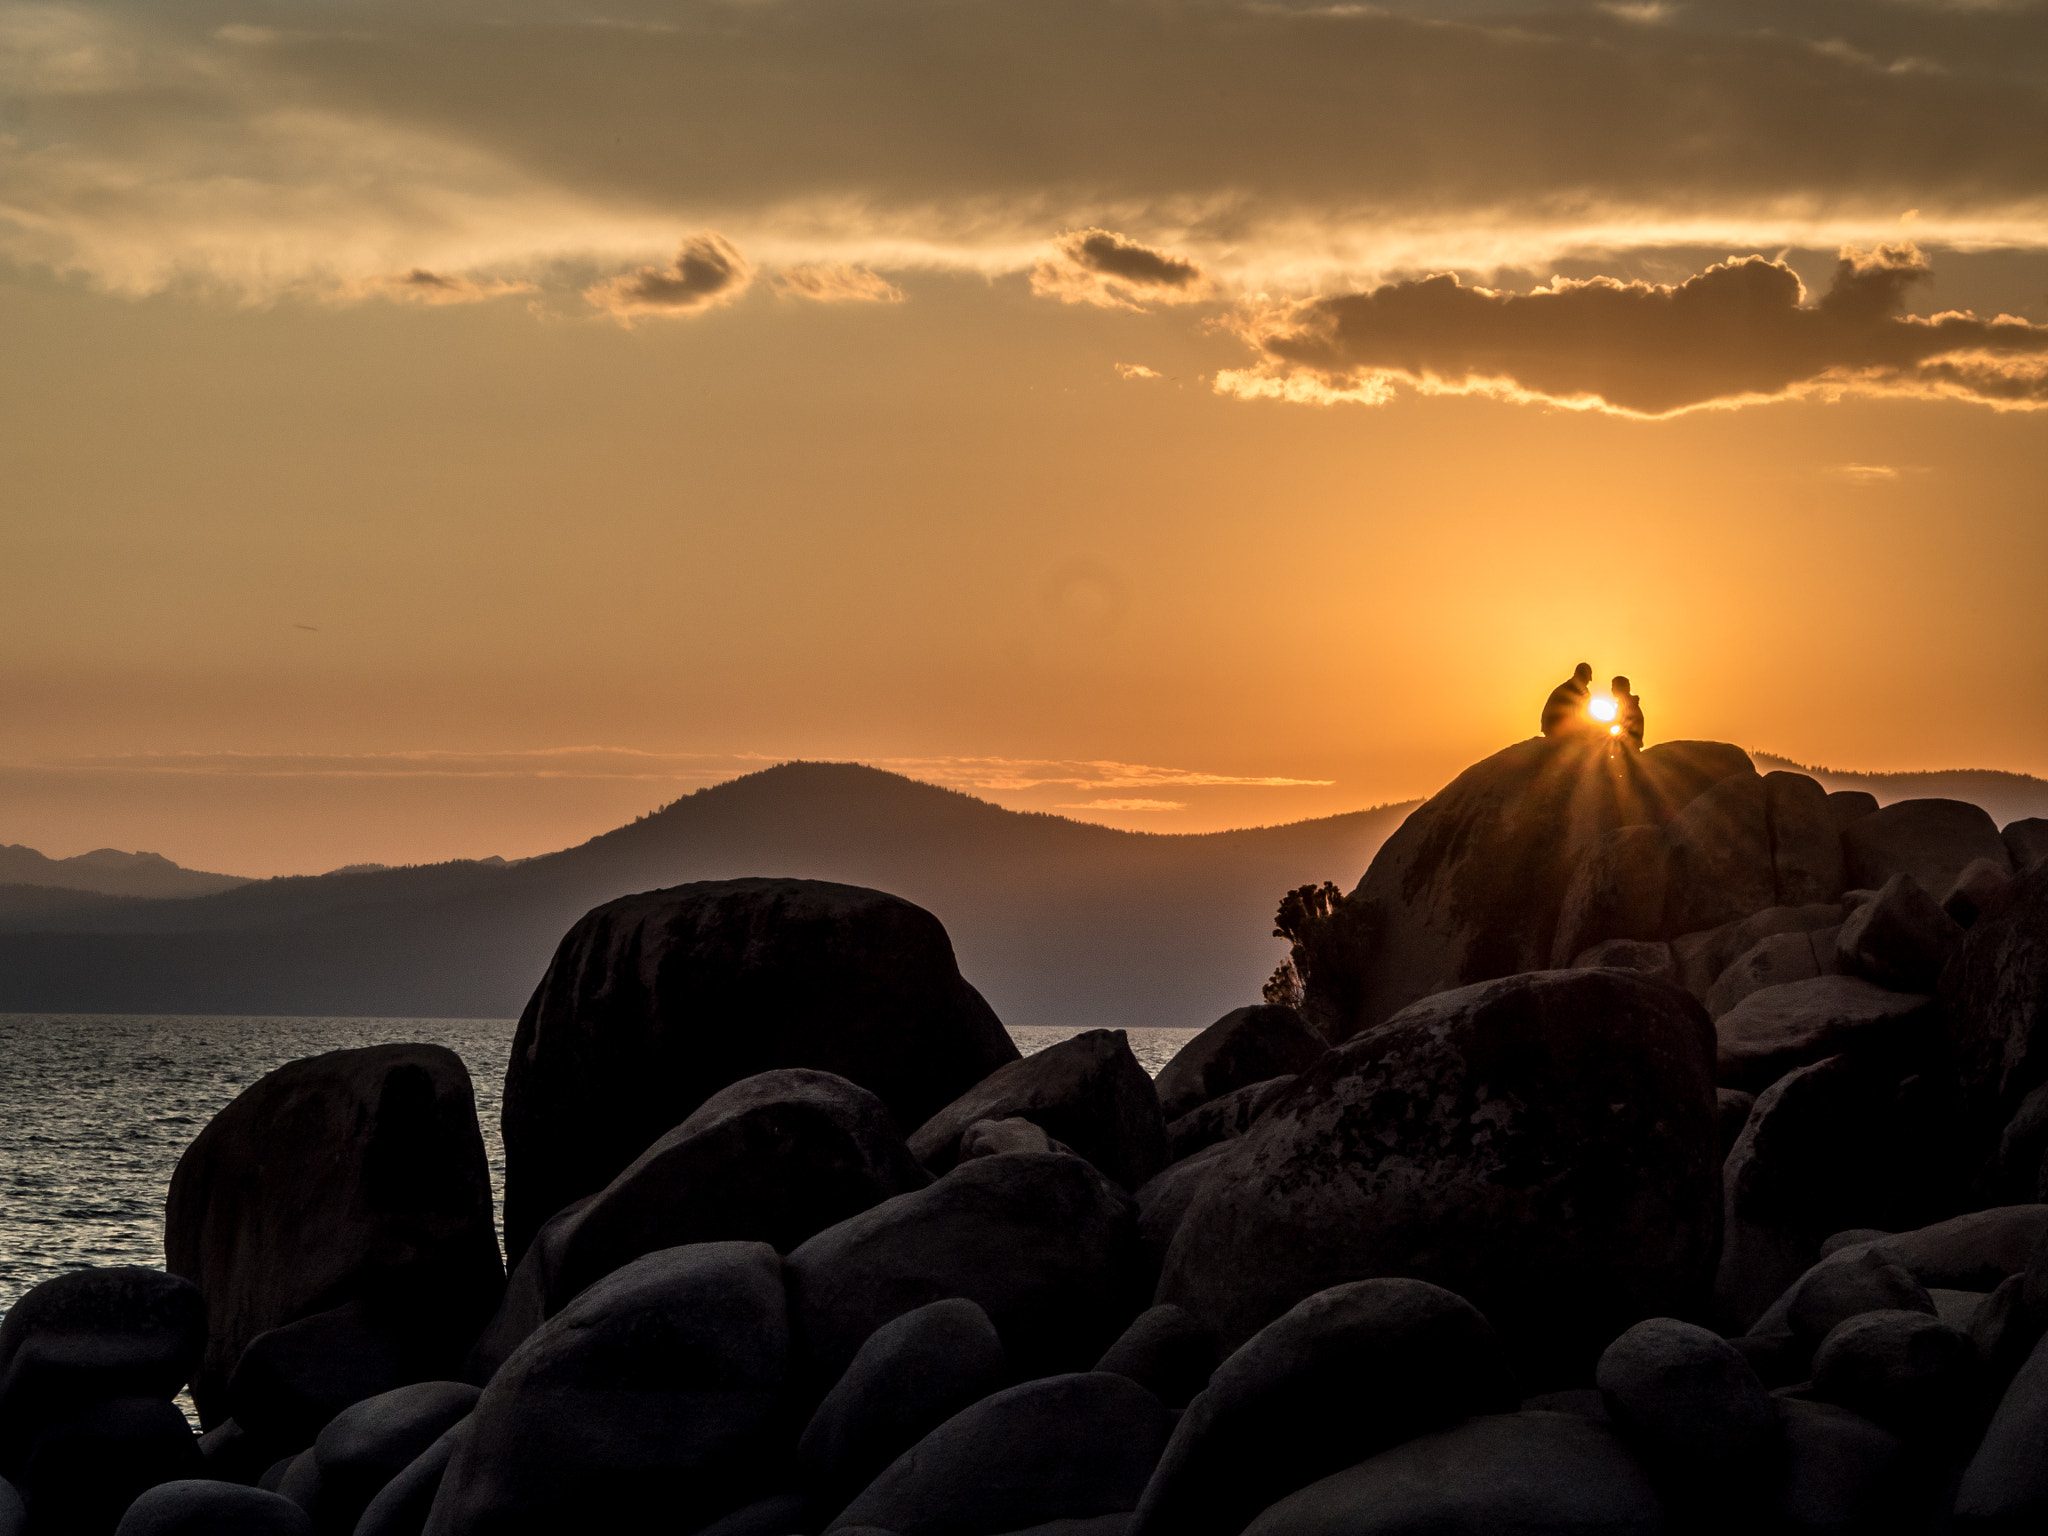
(96,1109)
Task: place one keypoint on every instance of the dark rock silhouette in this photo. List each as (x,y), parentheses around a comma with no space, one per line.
(200,1507)
(1931,840)
(1995,993)
(1899,939)
(654,1002)
(1693,1410)
(1042,1242)
(356,1177)
(2026,842)
(364,1447)
(1721,868)
(1779,1029)
(87,1466)
(1617,890)
(650,1399)
(1088,1093)
(1285,1409)
(1220,1119)
(1498,1472)
(1806,842)
(1168,1351)
(1061,1448)
(910,1376)
(1980,890)
(1246,1045)
(1546,1146)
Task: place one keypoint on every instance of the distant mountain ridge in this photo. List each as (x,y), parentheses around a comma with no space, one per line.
(110,872)
(1059,922)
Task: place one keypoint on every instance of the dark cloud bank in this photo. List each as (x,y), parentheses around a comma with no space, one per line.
(1739,331)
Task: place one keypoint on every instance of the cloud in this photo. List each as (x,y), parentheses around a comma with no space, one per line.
(708,271)
(1737,333)
(1866,474)
(837,282)
(1095,266)
(419,286)
(1135,371)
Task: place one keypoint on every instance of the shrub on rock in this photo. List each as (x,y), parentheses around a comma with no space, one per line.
(1088,1092)
(199,1507)
(1546,1145)
(1059,1448)
(1245,1046)
(1931,840)
(655,1002)
(911,1375)
(648,1400)
(1292,1404)
(1533,1474)
(1043,1242)
(90,1336)
(352,1176)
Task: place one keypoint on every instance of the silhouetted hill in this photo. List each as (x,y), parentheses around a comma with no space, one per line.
(109,872)
(1058,922)
(2005,796)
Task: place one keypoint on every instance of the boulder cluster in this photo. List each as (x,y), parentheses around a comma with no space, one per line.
(1660,1148)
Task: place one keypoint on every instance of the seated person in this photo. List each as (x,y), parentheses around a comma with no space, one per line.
(1628,712)
(1565,710)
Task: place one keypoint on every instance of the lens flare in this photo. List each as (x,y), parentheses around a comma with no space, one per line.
(1603,707)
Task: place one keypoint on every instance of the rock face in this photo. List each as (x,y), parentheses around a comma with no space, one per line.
(654,1002)
(199,1507)
(1780,1029)
(1042,1242)
(1286,1408)
(2005,1488)
(1545,1146)
(1221,1119)
(368,1444)
(1703,957)
(1533,1474)
(1088,1092)
(1720,857)
(911,1375)
(1931,840)
(357,1176)
(1996,999)
(775,1158)
(88,1337)
(2026,842)
(1899,939)
(1692,1408)
(646,1403)
(1617,891)
(1472,884)
(1806,845)
(1245,1046)
(1062,1448)
(1781,959)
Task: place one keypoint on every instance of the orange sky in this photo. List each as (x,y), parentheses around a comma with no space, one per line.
(440,432)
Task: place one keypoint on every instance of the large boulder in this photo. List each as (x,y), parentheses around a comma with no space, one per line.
(774,1158)
(1041,1241)
(1061,1448)
(655,1002)
(1245,1046)
(1287,1407)
(1904,1370)
(1703,956)
(1220,1119)
(1471,885)
(2005,1488)
(911,1375)
(86,1467)
(292,1380)
(1842,1472)
(89,1336)
(1931,840)
(1088,1092)
(1775,962)
(1720,857)
(1806,845)
(1616,891)
(1782,1028)
(1995,993)
(1545,1145)
(1163,1202)
(1167,1351)
(1532,1474)
(1900,938)
(201,1507)
(649,1401)
(364,1447)
(1691,1407)
(352,1176)
(2026,842)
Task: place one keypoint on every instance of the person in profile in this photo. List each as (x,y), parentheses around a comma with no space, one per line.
(1565,711)
(1628,712)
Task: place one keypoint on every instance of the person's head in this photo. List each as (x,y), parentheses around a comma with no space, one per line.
(1618,687)
(1583,672)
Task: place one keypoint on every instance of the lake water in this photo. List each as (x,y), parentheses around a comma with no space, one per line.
(96,1109)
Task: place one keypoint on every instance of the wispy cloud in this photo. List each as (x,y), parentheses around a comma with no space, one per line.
(707,271)
(837,282)
(1098,266)
(1135,371)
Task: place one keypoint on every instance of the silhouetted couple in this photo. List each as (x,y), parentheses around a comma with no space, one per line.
(1567,712)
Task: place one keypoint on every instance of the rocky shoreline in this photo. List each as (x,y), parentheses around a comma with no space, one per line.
(1658,1147)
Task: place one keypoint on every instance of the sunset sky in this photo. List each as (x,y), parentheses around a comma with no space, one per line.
(446,429)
